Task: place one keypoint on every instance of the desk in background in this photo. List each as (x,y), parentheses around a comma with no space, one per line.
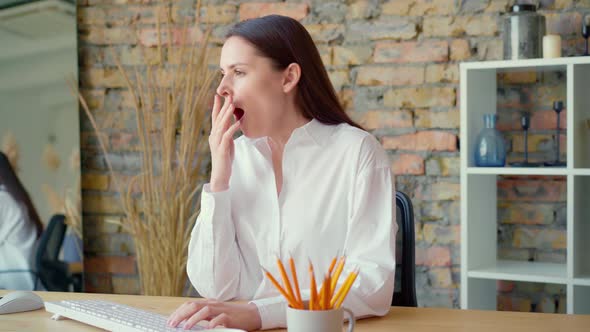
(398,320)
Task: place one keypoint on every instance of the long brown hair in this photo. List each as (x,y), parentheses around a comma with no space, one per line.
(284,40)
(15,188)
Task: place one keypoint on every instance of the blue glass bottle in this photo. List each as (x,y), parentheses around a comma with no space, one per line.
(490,148)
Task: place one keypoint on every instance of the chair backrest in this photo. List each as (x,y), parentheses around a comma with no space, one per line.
(405,293)
(52,272)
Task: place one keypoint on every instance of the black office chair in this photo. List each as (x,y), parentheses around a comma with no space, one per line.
(53,273)
(404,294)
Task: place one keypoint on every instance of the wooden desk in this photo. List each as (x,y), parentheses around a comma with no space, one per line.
(399,319)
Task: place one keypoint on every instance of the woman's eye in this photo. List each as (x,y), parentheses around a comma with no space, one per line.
(239,73)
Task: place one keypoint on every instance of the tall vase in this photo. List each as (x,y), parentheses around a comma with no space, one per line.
(490,148)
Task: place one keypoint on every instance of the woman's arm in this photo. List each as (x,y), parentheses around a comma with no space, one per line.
(214,259)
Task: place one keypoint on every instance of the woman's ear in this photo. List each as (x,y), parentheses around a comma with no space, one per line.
(292,74)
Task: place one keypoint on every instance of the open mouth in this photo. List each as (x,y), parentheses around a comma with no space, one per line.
(238,113)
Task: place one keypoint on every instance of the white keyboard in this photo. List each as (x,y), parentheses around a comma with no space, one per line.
(112,316)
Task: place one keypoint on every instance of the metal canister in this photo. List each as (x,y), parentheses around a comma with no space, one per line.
(524,29)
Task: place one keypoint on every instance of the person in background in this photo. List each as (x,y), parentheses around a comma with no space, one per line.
(303,180)
(20,227)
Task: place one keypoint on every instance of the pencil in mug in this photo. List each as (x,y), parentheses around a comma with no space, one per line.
(337,299)
(286,282)
(295,282)
(279,288)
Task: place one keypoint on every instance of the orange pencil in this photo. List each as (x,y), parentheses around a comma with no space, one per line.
(326,297)
(286,281)
(297,291)
(345,288)
(279,288)
(312,287)
(332,264)
(337,274)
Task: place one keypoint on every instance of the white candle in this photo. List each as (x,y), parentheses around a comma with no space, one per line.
(552,46)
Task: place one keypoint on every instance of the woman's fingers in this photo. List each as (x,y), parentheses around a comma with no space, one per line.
(183,312)
(227,104)
(216,107)
(228,136)
(220,320)
(205,313)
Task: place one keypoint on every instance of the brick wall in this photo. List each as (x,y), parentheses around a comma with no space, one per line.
(395,65)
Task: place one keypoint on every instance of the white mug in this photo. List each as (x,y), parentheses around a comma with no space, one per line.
(299,320)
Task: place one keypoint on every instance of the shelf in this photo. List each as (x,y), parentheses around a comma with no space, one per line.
(582,281)
(522,271)
(520,170)
(527,65)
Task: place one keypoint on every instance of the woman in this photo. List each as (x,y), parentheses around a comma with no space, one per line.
(20,227)
(303,179)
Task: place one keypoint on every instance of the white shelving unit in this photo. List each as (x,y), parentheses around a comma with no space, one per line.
(480,267)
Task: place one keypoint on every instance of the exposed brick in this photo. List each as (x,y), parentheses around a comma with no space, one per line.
(419,97)
(526,213)
(460,50)
(422,141)
(94,98)
(505,286)
(346,98)
(392,28)
(510,303)
(407,52)
(497,6)
(91,181)
(177,55)
(472,6)
(433,256)
(102,77)
(442,73)
(339,78)
(489,49)
(547,120)
(438,191)
(110,264)
(532,190)
(258,9)
(220,14)
(444,120)
(448,26)
(108,36)
(443,166)
(564,23)
(408,164)
(177,36)
(539,238)
(97,282)
(384,119)
(537,143)
(325,33)
(441,234)
(446,212)
(101,204)
(126,285)
(351,55)
(418,7)
(440,278)
(383,76)
(362,9)
(524,77)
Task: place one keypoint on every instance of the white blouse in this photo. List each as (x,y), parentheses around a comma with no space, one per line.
(337,195)
(18,239)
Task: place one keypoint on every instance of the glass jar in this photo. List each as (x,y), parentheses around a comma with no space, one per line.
(490,148)
(523,33)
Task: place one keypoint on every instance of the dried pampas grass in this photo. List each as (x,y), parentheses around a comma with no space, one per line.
(172,127)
